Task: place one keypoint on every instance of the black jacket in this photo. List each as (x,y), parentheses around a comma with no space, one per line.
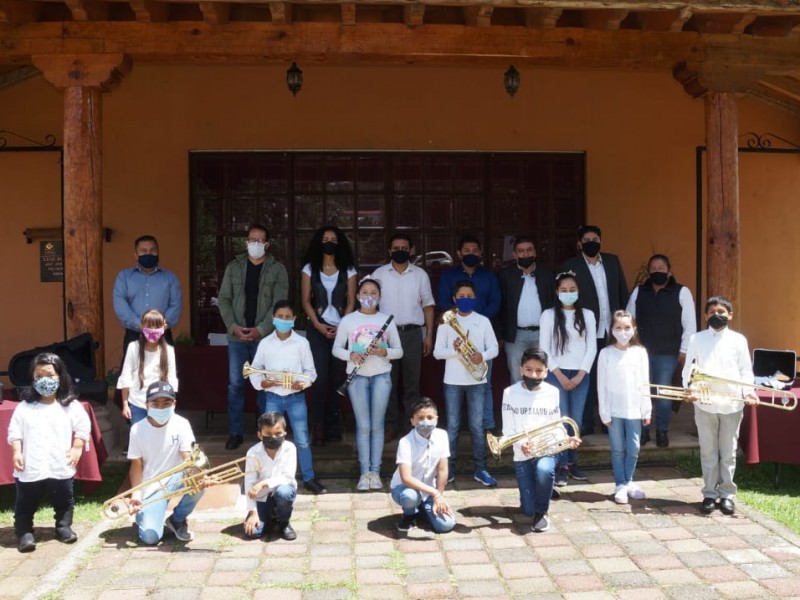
(615,280)
(511,282)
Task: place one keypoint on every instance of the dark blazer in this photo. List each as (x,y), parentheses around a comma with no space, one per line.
(511,282)
(615,279)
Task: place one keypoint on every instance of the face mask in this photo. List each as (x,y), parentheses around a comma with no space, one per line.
(623,336)
(368,301)
(272,442)
(471,260)
(256,249)
(283,325)
(591,249)
(148,261)
(526,262)
(568,298)
(465,305)
(400,256)
(659,278)
(152,335)
(46,386)
(532,382)
(425,428)
(718,322)
(329,248)
(161,415)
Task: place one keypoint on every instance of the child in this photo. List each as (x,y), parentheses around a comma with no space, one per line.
(284,350)
(147,360)
(47,433)
(459,382)
(158,443)
(568,334)
(273,486)
(421,476)
(623,376)
(720,352)
(369,391)
(527,405)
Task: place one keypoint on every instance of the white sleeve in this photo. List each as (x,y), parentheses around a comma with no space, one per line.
(403,452)
(546,322)
(307,361)
(15,426)
(425,293)
(591,340)
(340,350)
(631,308)
(130,367)
(647,403)
(79,419)
(691,355)
(602,394)
(259,362)
(186,437)
(395,349)
(688,322)
(492,348)
(172,374)
(442,350)
(251,477)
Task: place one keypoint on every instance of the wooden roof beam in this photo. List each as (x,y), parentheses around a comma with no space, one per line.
(775,26)
(478,16)
(16,75)
(779,100)
(542,18)
(605,20)
(15,12)
(348,13)
(664,20)
(722,23)
(281,13)
(150,11)
(414,14)
(788,87)
(216,13)
(88,10)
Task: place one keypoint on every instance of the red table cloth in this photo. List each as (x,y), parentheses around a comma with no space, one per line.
(769,435)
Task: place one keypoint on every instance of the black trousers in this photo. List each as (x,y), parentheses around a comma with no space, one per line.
(325,413)
(409,370)
(592,408)
(29,496)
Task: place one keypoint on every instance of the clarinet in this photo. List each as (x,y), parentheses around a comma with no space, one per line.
(372,344)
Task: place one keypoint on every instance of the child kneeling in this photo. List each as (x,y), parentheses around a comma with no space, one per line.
(420,478)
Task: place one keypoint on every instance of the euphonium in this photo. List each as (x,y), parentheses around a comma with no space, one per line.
(284,378)
(466,349)
(542,441)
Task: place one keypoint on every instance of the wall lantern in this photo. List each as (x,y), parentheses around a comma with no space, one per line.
(294,78)
(511,80)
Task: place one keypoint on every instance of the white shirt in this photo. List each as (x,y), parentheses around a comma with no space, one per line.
(405,294)
(331,314)
(480,333)
(129,375)
(623,378)
(354,334)
(274,354)
(580,350)
(724,354)
(688,323)
(274,471)
(525,410)
(159,448)
(422,455)
(598,273)
(529,308)
(46,432)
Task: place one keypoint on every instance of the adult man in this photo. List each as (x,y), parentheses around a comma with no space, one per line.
(406,294)
(526,289)
(487,299)
(143,287)
(252,283)
(603,290)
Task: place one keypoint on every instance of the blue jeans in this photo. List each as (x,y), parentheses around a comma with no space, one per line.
(294,405)
(571,404)
(488,401)
(623,434)
(150,519)
(137,414)
(535,480)
(662,367)
(238,354)
(524,340)
(411,502)
(475,394)
(282,501)
(370,397)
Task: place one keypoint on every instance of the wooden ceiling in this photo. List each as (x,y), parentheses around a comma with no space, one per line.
(733,45)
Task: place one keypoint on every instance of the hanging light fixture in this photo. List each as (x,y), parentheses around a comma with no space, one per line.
(511,80)
(294,78)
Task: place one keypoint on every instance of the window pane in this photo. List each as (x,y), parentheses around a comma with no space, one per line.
(371,174)
(407,211)
(339,175)
(209,177)
(440,175)
(308,212)
(371,250)
(339,211)
(438,213)
(506,176)
(470,175)
(469,213)
(308,174)
(408,174)
(243,177)
(244,210)
(208,214)
(509,215)
(371,211)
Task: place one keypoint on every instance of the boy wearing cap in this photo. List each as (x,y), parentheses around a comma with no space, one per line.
(158,443)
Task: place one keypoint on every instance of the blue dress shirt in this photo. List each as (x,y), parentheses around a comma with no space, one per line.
(136,292)
(487,290)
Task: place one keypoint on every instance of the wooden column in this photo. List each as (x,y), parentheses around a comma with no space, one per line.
(83,78)
(723,235)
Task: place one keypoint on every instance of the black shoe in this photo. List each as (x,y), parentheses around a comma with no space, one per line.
(586,431)
(555,495)
(645,436)
(727,507)
(708,505)
(27,543)
(604,429)
(287,532)
(540,523)
(66,535)
(234,441)
(406,522)
(662,439)
(315,486)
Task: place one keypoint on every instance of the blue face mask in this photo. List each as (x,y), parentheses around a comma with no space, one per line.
(161,415)
(465,305)
(46,386)
(568,298)
(148,261)
(471,260)
(283,325)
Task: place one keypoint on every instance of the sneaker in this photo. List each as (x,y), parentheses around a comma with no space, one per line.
(483,477)
(363,482)
(406,522)
(540,523)
(621,494)
(26,543)
(562,477)
(577,474)
(315,486)
(181,530)
(635,492)
(375,482)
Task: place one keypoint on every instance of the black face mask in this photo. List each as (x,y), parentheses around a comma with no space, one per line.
(590,249)
(659,278)
(329,248)
(718,322)
(400,256)
(526,262)
(531,383)
(272,442)
(471,260)
(148,261)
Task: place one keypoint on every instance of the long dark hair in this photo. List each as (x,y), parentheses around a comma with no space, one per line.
(153,319)
(65,392)
(344,258)
(560,335)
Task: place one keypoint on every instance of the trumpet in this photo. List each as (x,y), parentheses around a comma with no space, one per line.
(542,441)
(466,350)
(285,378)
(194,470)
(704,388)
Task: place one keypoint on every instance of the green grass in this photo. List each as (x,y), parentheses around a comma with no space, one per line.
(757,490)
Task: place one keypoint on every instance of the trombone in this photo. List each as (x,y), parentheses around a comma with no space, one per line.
(285,378)
(704,388)
(466,350)
(542,441)
(193,471)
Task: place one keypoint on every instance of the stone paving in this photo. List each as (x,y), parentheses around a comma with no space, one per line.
(347,547)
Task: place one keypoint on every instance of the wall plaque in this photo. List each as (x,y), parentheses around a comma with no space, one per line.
(51,261)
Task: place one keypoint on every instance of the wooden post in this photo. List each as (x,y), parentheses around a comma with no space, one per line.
(723,241)
(83,78)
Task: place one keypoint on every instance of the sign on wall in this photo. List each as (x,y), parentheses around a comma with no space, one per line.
(51,261)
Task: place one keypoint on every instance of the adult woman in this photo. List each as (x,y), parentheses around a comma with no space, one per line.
(664,313)
(328,292)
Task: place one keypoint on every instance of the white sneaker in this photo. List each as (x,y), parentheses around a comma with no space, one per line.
(635,492)
(375,482)
(363,483)
(621,494)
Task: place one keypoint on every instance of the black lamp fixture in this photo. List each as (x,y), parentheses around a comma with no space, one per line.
(294,78)
(511,80)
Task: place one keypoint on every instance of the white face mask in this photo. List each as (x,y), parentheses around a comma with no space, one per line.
(623,336)
(256,249)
